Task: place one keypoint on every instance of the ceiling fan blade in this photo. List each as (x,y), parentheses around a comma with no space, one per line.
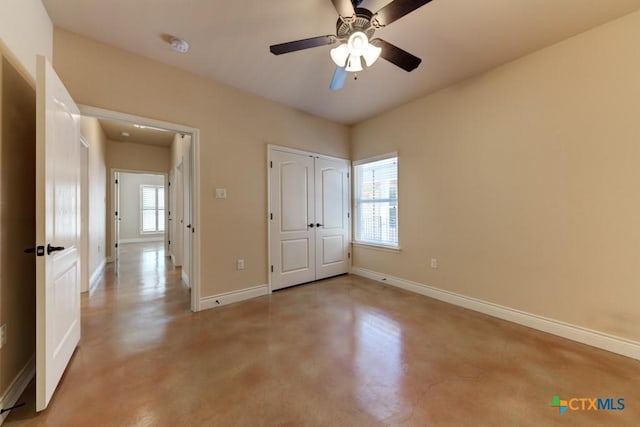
(344,7)
(397,9)
(339,77)
(279,49)
(397,56)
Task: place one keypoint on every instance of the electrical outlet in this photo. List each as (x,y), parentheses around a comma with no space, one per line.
(434,263)
(3,335)
(240,264)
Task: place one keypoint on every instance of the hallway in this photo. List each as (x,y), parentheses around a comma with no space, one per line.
(345,351)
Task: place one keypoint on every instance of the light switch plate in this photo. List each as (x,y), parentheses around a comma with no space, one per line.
(221,193)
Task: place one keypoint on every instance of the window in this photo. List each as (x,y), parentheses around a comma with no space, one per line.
(376,201)
(151,209)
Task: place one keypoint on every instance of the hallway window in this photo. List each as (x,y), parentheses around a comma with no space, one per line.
(376,201)
(152,208)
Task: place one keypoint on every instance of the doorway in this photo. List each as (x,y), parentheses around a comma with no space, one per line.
(309,212)
(139,208)
(191,182)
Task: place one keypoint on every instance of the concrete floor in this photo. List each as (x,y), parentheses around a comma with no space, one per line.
(345,351)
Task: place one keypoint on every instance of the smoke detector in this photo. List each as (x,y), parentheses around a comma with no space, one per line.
(179,45)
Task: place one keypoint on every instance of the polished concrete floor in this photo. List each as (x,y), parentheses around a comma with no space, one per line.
(341,352)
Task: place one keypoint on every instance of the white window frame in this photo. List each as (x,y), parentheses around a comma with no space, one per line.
(156,187)
(357,201)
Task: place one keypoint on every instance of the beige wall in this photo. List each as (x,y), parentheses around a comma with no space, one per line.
(93,133)
(133,157)
(17,221)
(235,128)
(25,28)
(138,157)
(524,183)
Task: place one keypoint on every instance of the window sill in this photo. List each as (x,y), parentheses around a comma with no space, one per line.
(373,246)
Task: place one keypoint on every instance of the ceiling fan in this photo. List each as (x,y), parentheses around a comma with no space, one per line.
(354,31)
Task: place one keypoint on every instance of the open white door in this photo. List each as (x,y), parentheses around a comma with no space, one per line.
(57,231)
(186,211)
(117,214)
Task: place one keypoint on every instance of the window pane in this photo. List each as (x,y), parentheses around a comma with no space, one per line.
(149,220)
(378,180)
(148,197)
(161,220)
(377,202)
(160,197)
(377,223)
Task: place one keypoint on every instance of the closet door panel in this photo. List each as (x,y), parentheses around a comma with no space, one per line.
(332,217)
(292,203)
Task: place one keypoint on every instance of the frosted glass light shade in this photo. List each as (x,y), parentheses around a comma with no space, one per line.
(340,54)
(371,54)
(354,64)
(357,43)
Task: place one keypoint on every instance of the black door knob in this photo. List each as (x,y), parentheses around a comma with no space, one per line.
(53,248)
(311,225)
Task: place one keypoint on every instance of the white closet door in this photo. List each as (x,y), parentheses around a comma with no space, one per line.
(332,217)
(292,225)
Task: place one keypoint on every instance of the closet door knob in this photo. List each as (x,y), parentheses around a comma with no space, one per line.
(311,225)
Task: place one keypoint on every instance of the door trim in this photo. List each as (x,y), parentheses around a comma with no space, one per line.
(194,273)
(270,148)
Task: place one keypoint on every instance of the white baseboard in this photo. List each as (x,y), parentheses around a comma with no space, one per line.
(582,335)
(233,296)
(18,386)
(93,281)
(185,277)
(142,240)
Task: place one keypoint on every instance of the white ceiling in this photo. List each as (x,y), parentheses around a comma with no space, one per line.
(230,42)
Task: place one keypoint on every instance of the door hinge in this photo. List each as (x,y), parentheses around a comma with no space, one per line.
(271,164)
(116,245)
(169,241)
(348,214)
(116,181)
(272,268)
(170,183)
(347,175)
(349,255)
(271,216)
(116,213)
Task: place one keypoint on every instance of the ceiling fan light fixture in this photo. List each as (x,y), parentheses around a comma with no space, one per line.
(340,54)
